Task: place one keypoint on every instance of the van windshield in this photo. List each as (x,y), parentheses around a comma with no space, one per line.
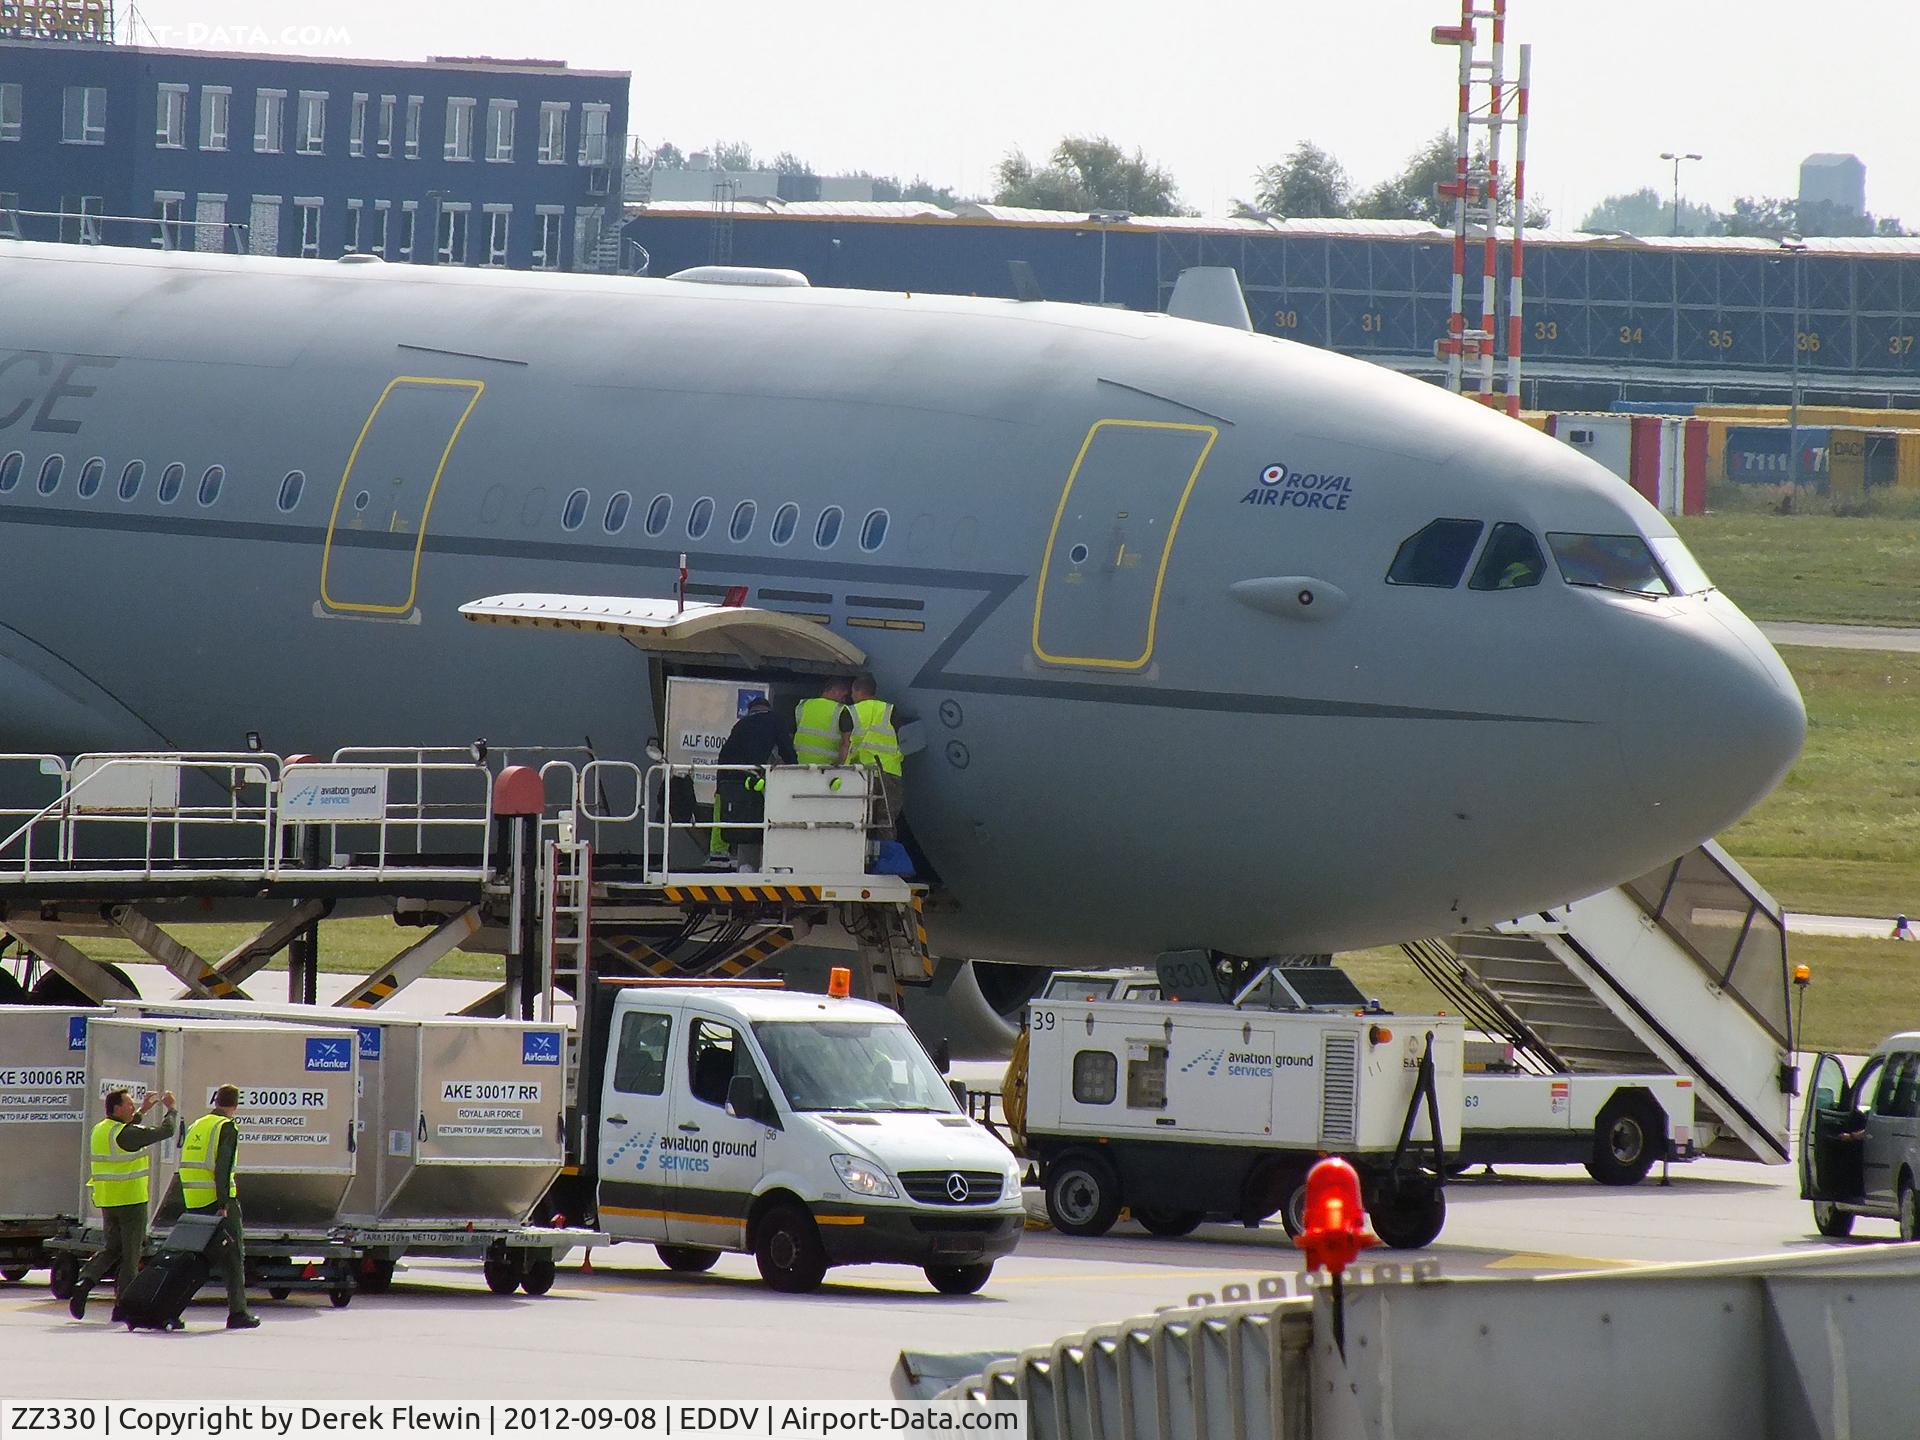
(852,1065)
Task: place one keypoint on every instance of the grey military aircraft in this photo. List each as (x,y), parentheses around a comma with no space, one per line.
(1213,640)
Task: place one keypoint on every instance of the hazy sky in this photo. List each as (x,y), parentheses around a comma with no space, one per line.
(1210,89)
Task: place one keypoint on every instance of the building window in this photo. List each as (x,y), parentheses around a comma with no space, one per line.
(553,132)
(10,111)
(498,217)
(263,226)
(216,106)
(80,219)
(309,208)
(452,246)
(415,104)
(382,217)
(459,144)
(269,118)
(210,223)
(550,222)
(354,210)
(500,116)
(409,227)
(167,211)
(384,145)
(9,214)
(357,127)
(313,122)
(170,117)
(86,115)
(593,134)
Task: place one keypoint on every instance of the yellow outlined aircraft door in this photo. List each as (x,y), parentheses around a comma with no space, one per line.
(1098,600)
(371,565)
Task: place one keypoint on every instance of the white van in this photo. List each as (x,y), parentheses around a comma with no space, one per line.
(807,1130)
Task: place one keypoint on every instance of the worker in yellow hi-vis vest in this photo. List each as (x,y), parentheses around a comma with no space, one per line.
(876,745)
(118,1167)
(209,1158)
(822,725)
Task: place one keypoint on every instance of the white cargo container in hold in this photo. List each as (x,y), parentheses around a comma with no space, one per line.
(298,1103)
(45,1114)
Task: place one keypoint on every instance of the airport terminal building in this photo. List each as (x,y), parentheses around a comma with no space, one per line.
(467,161)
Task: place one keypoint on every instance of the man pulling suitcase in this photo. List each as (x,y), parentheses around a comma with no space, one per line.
(208,1160)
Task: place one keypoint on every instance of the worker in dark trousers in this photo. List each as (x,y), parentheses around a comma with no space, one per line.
(118,1171)
(758,738)
(208,1160)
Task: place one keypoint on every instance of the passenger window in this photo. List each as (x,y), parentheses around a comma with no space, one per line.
(1867,1082)
(1511,561)
(130,479)
(617,508)
(1609,562)
(210,484)
(90,476)
(873,530)
(658,513)
(1436,556)
(828,530)
(290,489)
(171,480)
(1096,1077)
(50,471)
(10,469)
(1897,1093)
(699,518)
(742,523)
(1147,1078)
(714,1056)
(785,521)
(574,512)
(640,1067)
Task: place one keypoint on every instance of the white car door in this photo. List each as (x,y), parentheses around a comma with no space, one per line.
(713,1160)
(635,1114)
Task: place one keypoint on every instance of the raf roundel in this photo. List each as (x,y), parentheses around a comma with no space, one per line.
(1273,474)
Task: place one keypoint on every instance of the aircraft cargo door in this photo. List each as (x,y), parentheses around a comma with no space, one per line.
(1113,533)
(371,565)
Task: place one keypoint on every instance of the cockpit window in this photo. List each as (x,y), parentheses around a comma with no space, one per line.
(1436,556)
(1609,562)
(1683,571)
(1511,561)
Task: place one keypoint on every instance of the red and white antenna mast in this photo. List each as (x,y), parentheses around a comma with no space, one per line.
(1476,194)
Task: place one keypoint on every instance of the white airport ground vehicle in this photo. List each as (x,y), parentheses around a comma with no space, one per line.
(1188,1110)
(808,1130)
(1134,984)
(1617,1125)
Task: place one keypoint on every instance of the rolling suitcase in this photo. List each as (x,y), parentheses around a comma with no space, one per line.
(169,1282)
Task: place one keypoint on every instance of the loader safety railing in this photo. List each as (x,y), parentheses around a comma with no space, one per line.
(660,824)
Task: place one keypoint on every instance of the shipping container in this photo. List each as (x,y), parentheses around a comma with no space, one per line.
(45,1116)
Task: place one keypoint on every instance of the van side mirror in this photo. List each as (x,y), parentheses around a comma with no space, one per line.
(747,1099)
(943,1055)
(959,1089)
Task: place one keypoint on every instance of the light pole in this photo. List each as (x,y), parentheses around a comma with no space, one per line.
(1795,249)
(1676,157)
(1105,218)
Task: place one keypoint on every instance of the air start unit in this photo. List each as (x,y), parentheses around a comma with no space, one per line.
(1186,1112)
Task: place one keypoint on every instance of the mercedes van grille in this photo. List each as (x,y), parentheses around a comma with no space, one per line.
(953,1187)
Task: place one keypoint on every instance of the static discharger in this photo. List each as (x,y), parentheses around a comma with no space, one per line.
(839,982)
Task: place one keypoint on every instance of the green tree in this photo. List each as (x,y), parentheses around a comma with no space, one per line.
(1768,215)
(669,157)
(1308,184)
(1646,212)
(1088,173)
(733,155)
(1410,194)
(788,163)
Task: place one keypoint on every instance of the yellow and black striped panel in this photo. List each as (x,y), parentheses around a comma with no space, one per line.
(736,965)
(742,894)
(920,946)
(374,992)
(217,985)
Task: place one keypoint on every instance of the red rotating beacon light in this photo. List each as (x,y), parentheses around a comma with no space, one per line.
(1335,1229)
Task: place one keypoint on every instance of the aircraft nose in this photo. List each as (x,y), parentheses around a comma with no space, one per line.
(1727,722)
